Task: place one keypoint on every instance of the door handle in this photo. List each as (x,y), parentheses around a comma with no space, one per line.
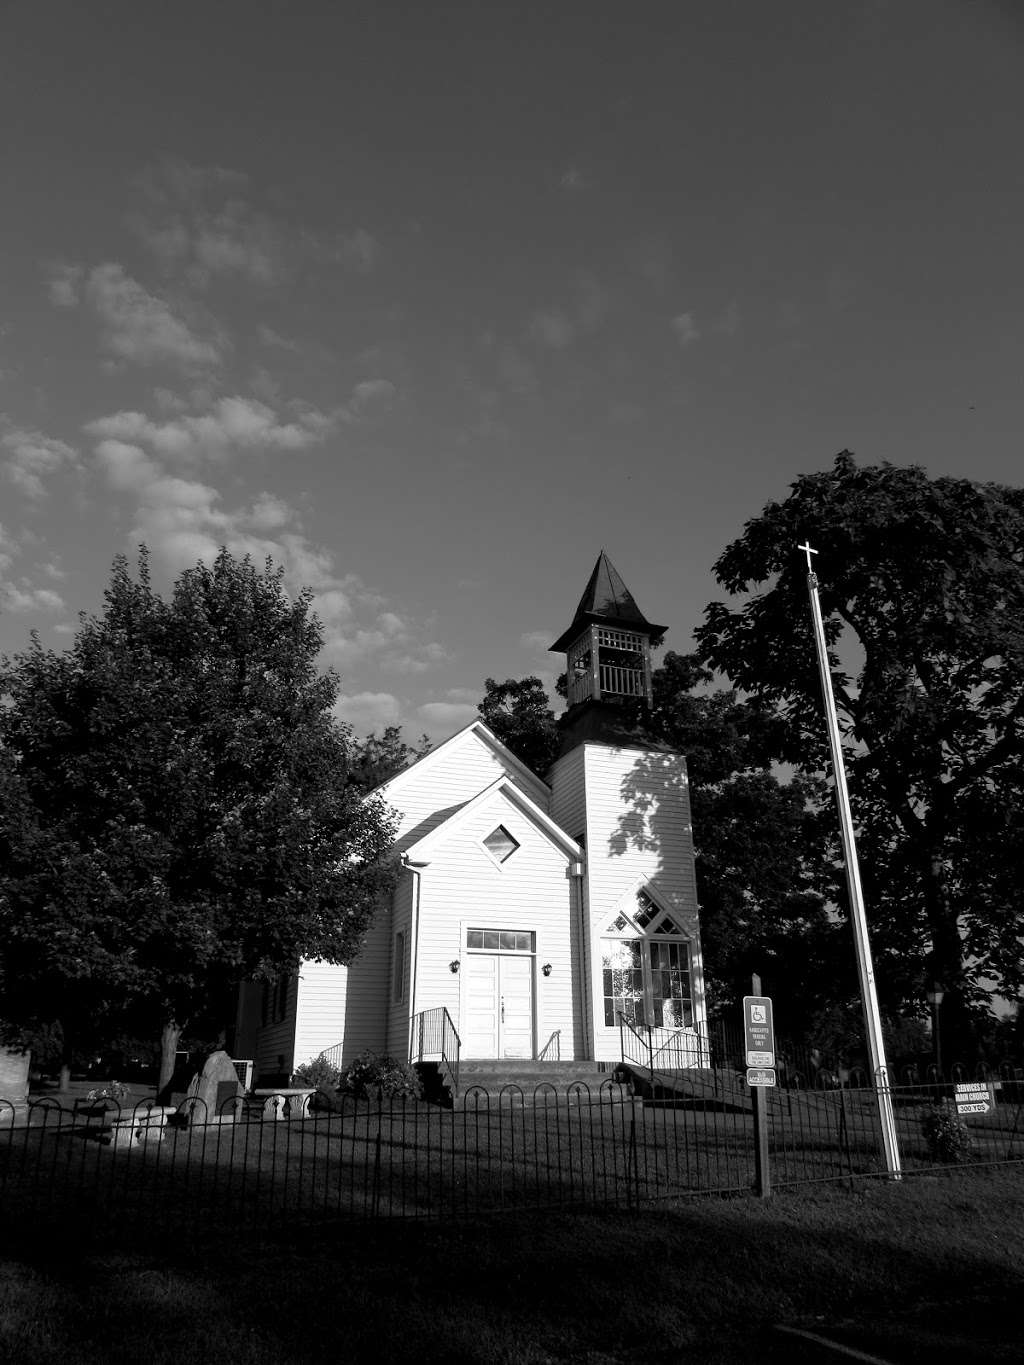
(502,1009)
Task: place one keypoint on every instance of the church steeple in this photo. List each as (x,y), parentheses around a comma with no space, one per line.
(608,644)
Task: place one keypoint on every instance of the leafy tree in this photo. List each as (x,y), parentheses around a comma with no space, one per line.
(375,759)
(520,715)
(922,591)
(180,815)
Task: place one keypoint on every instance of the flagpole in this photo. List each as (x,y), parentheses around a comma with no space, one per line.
(865,970)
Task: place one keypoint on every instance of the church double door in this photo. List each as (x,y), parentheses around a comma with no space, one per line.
(498,1017)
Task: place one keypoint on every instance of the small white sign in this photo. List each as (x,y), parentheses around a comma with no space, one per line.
(760,1076)
(760,1059)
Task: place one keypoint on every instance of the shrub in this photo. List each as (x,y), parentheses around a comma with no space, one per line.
(392,1076)
(947,1136)
(320,1073)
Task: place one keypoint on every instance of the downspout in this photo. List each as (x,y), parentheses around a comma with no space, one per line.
(577,873)
(414,953)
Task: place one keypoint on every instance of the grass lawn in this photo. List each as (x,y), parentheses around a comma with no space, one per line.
(929,1269)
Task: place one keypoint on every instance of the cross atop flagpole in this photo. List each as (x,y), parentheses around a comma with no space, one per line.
(808,552)
(865,969)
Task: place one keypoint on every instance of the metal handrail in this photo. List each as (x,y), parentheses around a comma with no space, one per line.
(434,1036)
(553,1046)
(626,1026)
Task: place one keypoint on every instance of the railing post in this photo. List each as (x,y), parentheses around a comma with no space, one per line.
(422,1023)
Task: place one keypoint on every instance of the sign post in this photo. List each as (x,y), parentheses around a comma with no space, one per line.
(759,1046)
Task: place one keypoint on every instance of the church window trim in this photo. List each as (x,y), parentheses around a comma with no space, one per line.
(500,845)
(646,966)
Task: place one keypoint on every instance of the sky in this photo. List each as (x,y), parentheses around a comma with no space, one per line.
(432,302)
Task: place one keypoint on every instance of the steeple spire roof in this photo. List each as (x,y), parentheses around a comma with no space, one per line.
(606,599)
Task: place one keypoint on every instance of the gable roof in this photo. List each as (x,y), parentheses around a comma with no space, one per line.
(477,731)
(425,849)
(606,598)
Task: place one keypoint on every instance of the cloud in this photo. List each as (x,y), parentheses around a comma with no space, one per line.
(537,639)
(421,660)
(26,598)
(268,337)
(572,180)
(685,327)
(234,423)
(358,251)
(142,329)
(64,285)
(366,711)
(32,458)
(198,222)
(372,395)
(9,548)
(551,327)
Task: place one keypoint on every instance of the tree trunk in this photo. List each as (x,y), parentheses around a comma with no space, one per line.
(169,1039)
(65,1077)
(946,968)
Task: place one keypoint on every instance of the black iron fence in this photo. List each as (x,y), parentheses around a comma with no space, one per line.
(103,1174)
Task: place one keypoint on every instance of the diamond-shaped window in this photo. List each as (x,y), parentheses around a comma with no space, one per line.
(500,844)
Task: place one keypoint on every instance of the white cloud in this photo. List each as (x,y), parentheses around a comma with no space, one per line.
(64,285)
(372,394)
(357,251)
(421,660)
(199,223)
(268,337)
(366,711)
(9,548)
(26,598)
(139,327)
(33,457)
(537,640)
(551,327)
(231,423)
(685,327)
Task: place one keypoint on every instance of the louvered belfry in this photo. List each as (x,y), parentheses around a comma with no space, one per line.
(608,645)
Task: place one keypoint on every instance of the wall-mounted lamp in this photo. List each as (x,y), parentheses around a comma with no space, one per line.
(454,966)
(546,969)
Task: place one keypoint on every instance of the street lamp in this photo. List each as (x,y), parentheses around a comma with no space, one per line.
(935,995)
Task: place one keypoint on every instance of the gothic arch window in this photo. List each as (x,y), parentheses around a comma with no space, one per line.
(645,963)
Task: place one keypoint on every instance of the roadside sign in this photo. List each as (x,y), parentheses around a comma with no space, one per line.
(760,1075)
(974,1097)
(758,1031)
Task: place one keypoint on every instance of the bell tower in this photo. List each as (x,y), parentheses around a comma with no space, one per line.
(623,795)
(608,654)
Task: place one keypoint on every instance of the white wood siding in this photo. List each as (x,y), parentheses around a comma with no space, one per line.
(275,1039)
(437,786)
(346,1005)
(569,794)
(463,887)
(638,828)
(397,1036)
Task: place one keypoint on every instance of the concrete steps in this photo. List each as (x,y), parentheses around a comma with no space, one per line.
(513,1083)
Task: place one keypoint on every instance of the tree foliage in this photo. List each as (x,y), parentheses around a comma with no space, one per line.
(922,591)
(519,713)
(375,759)
(177,813)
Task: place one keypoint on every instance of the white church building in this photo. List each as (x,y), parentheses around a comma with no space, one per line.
(533,918)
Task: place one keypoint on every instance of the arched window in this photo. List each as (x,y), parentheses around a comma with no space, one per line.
(645,960)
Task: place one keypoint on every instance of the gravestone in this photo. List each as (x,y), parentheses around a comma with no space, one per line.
(212,1088)
(13,1086)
